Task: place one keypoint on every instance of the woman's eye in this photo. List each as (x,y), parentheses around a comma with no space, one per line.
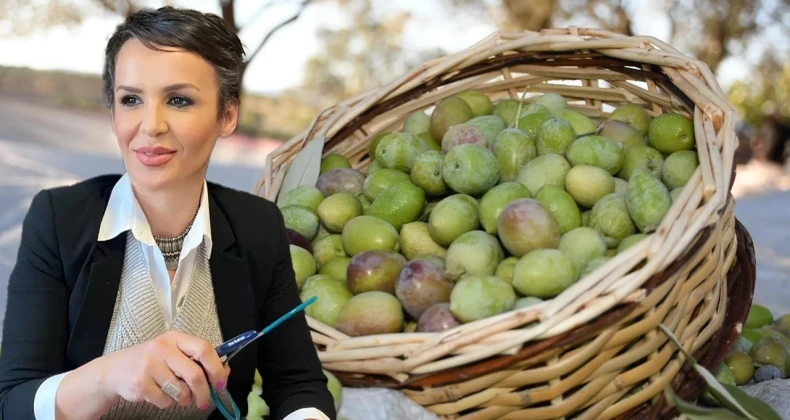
(130,100)
(180,101)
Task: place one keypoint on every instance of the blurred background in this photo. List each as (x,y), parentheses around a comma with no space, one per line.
(306,55)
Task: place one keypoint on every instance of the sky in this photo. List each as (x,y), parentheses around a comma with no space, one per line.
(281,62)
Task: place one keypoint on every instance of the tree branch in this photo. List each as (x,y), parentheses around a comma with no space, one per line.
(590,9)
(262,9)
(622,21)
(279,26)
(123,8)
(109,5)
(229,14)
(672,7)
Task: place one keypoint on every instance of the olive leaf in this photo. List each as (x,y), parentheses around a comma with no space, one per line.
(738,402)
(721,395)
(304,168)
(696,412)
(759,408)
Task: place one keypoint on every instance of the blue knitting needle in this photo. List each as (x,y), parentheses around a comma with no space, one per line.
(231,347)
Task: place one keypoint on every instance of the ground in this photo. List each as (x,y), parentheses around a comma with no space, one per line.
(762,200)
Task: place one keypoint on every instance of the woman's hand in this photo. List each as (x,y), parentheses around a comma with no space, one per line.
(138,373)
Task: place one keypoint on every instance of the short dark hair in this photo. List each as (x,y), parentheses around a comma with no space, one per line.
(205,34)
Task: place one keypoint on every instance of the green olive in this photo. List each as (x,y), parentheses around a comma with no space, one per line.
(771,351)
(741,365)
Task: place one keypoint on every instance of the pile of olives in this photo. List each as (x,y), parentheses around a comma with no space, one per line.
(760,353)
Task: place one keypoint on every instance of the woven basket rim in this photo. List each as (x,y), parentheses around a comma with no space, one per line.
(659,49)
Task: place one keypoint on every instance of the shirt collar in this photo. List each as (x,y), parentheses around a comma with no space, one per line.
(123,214)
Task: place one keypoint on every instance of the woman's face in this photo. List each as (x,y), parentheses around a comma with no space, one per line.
(165,115)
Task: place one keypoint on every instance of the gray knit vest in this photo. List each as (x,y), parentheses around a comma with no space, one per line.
(138,317)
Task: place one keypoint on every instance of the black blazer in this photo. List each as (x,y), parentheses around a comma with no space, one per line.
(61,295)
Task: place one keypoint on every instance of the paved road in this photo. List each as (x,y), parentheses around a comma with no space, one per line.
(36,123)
(767,218)
(43,147)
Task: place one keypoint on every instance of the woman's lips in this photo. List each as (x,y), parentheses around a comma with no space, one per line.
(154,156)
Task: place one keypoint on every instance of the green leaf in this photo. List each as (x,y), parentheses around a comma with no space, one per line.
(305,167)
(677,343)
(695,412)
(720,393)
(756,407)
(728,395)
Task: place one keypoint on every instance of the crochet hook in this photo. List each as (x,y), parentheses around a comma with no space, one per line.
(231,347)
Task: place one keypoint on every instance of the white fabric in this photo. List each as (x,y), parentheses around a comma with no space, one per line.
(380,404)
(773,393)
(44,401)
(123,213)
(306,413)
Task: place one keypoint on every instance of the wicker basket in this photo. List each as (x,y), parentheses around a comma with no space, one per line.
(595,351)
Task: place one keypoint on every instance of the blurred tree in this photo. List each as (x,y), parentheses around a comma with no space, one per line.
(755,32)
(759,96)
(362,55)
(534,15)
(712,30)
(708,29)
(23,17)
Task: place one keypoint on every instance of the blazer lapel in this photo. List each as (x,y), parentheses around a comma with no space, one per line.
(230,277)
(96,296)
(233,293)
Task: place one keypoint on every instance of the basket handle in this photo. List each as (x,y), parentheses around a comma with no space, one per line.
(313,124)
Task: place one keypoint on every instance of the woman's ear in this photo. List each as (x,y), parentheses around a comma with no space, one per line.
(230,118)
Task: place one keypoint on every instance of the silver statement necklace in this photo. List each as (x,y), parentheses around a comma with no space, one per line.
(171,246)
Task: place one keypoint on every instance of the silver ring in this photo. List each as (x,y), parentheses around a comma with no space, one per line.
(171,390)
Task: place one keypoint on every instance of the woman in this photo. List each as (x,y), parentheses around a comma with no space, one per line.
(125,284)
